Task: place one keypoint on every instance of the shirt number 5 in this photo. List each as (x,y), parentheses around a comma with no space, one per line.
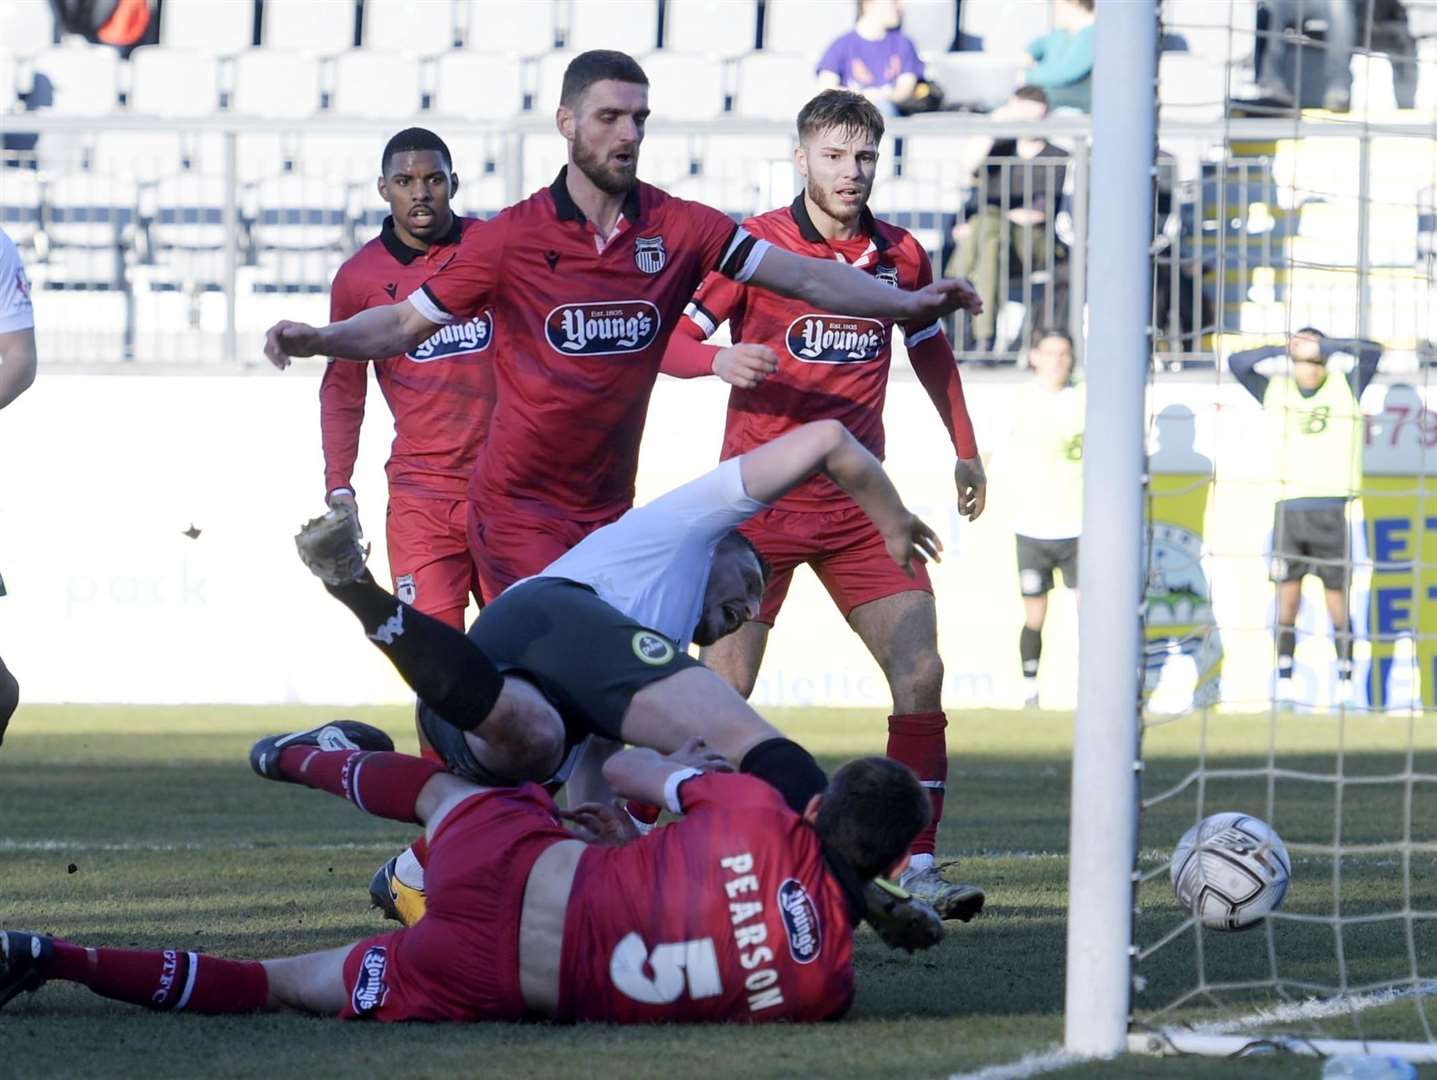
(685,964)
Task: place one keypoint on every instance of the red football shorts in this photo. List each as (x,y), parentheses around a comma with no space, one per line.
(508,545)
(429,555)
(844,548)
(461,961)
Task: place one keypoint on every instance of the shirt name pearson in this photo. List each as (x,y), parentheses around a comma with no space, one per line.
(603,328)
(825,339)
(456,339)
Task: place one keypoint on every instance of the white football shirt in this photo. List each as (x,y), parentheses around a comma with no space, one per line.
(653,563)
(15,310)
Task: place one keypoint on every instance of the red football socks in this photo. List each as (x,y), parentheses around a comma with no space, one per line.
(381,783)
(164,979)
(917,740)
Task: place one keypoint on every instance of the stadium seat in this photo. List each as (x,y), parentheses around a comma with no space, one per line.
(272,83)
(84,78)
(8,87)
(480,162)
(712,27)
(205,26)
(932,161)
(260,155)
(173,82)
(474,85)
(684,87)
(183,217)
(547,74)
(20,208)
(89,220)
(339,158)
(1005,27)
(422,29)
(380,85)
(512,27)
(139,155)
(805,27)
(323,27)
(975,79)
(297,212)
(773,86)
(631,26)
(1205,27)
(26,26)
(1192,86)
(932,24)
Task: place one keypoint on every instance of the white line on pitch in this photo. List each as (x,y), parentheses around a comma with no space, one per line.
(1314,1009)
(1027,1065)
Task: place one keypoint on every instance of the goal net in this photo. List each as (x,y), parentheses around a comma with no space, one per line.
(1289,201)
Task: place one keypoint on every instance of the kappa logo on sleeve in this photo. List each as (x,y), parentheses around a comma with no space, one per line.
(800,921)
(835,339)
(603,328)
(455,340)
(369,988)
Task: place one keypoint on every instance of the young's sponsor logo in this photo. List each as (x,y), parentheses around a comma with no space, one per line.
(369,989)
(800,921)
(649,254)
(456,339)
(835,339)
(602,328)
(653,648)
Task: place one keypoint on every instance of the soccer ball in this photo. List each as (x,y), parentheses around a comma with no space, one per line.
(1230,870)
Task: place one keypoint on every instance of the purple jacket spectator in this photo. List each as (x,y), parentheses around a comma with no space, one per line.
(861,64)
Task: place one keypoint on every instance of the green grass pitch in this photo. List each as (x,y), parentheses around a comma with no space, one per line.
(143,827)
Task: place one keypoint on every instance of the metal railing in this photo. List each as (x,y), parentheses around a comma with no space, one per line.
(181,241)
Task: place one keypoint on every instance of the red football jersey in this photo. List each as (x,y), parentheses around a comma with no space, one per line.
(732,913)
(829,366)
(441,393)
(581,323)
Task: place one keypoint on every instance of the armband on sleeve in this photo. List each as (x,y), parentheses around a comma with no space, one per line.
(671,788)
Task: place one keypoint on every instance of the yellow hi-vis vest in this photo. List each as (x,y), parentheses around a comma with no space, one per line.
(1320,453)
(1044,468)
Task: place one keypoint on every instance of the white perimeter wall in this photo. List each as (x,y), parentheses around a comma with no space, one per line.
(109,601)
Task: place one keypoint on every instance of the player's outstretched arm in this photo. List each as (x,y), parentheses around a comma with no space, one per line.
(836,286)
(826,446)
(370,335)
(645,775)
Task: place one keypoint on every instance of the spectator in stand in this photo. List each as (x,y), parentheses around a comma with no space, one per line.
(1014,204)
(875,58)
(1062,61)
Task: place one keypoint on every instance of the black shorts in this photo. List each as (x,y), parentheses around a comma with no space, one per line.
(587,657)
(1037,559)
(1311,539)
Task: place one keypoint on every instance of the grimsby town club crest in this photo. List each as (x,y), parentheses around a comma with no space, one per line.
(649,254)
(887,274)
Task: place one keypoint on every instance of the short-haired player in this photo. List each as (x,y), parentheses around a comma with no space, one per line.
(831,363)
(1044,461)
(742,911)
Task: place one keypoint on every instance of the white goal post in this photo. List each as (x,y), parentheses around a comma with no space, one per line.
(1104,826)
(1344,172)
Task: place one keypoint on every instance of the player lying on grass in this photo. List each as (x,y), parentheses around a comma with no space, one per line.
(742,911)
(597,643)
